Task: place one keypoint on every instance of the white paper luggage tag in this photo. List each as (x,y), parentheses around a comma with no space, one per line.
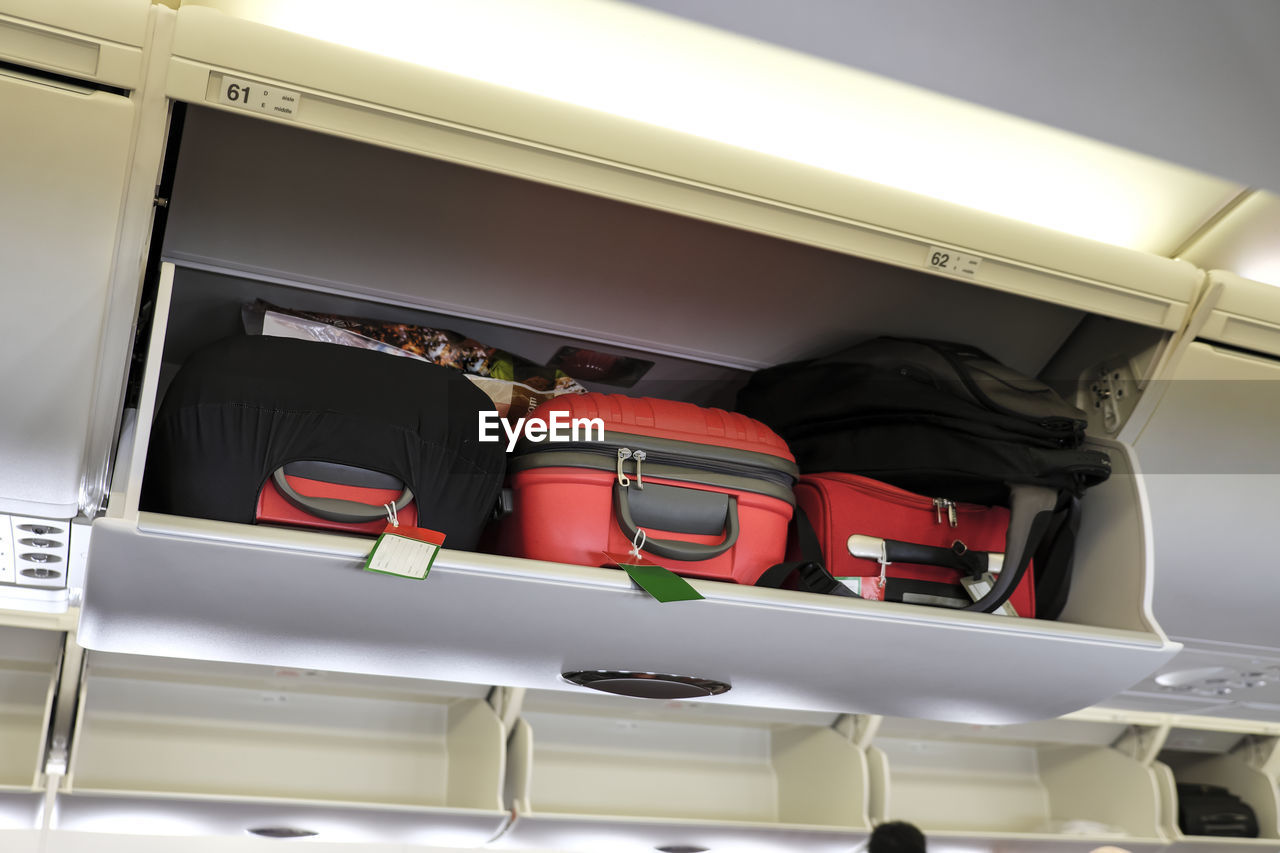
(404,551)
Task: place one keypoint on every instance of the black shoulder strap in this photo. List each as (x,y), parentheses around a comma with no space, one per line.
(1053,561)
(1031,511)
(809,572)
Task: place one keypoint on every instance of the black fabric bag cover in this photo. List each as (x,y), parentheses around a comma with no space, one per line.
(244,406)
(928,416)
(939,419)
(1213,810)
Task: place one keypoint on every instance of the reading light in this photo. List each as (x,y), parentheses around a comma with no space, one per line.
(694,79)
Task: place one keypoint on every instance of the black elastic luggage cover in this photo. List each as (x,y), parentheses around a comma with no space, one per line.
(244,406)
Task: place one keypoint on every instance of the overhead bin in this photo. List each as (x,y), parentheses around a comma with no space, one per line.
(1243,764)
(179,584)
(182,748)
(80,191)
(590,773)
(473,211)
(1069,784)
(30,663)
(94,40)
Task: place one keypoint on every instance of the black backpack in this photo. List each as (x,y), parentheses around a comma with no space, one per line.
(1213,810)
(944,419)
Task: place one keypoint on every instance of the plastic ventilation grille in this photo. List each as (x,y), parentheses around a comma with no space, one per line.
(34,551)
(8,573)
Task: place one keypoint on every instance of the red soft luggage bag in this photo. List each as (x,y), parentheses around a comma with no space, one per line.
(712,490)
(866,527)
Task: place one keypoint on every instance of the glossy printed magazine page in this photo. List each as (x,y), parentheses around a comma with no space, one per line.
(515,384)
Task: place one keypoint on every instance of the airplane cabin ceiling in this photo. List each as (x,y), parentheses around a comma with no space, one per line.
(1190,82)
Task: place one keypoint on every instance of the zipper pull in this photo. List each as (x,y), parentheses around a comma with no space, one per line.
(639,456)
(939,504)
(623,455)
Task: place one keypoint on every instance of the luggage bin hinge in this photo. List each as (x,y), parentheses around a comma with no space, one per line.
(858,729)
(1113,391)
(507,703)
(160,201)
(1142,743)
(1258,750)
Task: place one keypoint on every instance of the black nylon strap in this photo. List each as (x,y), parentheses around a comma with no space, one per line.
(1053,562)
(1030,517)
(810,573)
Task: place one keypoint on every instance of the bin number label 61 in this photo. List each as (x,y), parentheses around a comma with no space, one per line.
(948,260)
(258,97)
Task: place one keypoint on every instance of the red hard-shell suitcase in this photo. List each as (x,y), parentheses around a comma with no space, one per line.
(334,497)
(854,516)
(712,490)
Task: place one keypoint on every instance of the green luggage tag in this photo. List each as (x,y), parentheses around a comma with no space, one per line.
(404,551)
(661,583)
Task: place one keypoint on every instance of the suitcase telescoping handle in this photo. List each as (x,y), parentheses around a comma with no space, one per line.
(957,557)
(675,549)
(336,509)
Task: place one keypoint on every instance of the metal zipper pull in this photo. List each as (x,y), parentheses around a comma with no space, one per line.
(623,455)
(940,504)
(639,456)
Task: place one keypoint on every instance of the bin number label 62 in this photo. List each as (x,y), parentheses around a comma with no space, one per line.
(947,260)
(258,97)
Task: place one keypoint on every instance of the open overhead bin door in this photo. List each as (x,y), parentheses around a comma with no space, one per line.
(1209,451)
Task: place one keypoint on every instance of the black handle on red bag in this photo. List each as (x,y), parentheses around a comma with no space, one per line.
(336,509)
(675,549)
(957,557)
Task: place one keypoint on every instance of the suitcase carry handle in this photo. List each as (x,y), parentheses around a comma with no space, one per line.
(336,509)
(675,549)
